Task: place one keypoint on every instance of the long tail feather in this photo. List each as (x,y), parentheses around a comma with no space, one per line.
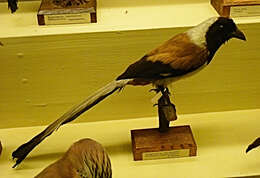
(12,4)
(255,144)
(20,153)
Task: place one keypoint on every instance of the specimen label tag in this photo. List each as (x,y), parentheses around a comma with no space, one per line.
(166,154)
(245,11)
(58,19)
(155,99)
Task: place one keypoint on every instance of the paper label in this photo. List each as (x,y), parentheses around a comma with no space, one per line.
(155,99)
(67,18)
(166,154)
(245,11)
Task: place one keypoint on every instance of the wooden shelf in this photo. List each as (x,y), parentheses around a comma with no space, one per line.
(112,16)
(221,137)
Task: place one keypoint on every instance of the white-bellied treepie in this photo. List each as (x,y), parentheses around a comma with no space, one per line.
(181,56)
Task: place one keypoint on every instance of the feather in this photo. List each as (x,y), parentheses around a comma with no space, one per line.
(255,144)
(21,152)
(12,4)
(86,158)
(176,57)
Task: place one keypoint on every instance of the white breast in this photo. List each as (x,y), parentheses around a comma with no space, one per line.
(165,82)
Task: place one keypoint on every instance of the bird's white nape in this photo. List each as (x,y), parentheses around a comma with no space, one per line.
(197,34)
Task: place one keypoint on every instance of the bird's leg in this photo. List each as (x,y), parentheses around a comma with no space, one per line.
(165,94)
(164,90)
(167,90)
(160,88)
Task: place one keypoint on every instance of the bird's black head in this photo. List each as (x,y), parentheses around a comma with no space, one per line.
(221,31)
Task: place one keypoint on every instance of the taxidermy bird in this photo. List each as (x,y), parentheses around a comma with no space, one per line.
(84,159)
(183,55)
(253,145)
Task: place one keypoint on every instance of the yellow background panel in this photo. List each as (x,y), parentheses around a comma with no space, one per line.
(42,77)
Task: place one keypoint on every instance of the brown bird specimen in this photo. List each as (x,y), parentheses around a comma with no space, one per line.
(84,159)
(183,55)
(253,145)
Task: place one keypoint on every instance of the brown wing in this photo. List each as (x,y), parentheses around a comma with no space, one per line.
(175,57)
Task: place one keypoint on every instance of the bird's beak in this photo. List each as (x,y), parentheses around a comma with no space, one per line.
(239,35)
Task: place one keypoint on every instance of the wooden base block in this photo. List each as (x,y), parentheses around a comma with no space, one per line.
(56,12)
(151,144)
